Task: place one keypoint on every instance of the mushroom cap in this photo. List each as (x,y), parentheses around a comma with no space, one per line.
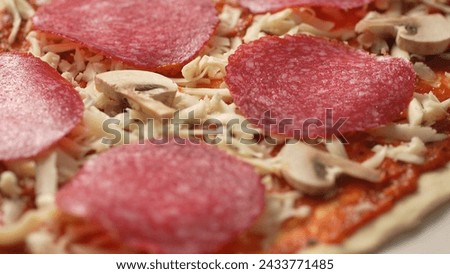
(425,34)
(314,172)
(420,34)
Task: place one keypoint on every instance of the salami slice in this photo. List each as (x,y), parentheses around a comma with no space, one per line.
(309,87)
(37,106)
(147,34)
(263,6)
(167,198)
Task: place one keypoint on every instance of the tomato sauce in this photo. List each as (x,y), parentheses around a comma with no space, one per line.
(441,67)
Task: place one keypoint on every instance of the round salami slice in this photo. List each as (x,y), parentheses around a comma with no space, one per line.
(37,106)
(148,34)
(167,198)
(305,86)
(263,6)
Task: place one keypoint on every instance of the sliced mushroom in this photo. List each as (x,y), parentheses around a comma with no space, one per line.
(426,35)
(420,34)
(148,91)
(314,171)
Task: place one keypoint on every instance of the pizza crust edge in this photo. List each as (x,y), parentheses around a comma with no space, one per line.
(433,191)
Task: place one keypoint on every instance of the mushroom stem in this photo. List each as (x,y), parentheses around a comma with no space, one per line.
(150,92)
(314,171)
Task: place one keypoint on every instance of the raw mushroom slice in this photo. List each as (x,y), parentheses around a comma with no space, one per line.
(148,91)
(314,171)
(419,34)
(426,35)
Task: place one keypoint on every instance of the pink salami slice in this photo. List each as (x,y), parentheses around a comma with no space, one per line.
(309,87)
(263,6)
(148,34)
(37,106)
(167,198)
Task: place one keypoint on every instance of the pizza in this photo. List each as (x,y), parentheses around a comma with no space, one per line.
(225,126)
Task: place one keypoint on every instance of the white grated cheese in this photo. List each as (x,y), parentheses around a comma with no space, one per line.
(412,152)
(9,184)
(254,32)
(415,113)
(213,67)
(30,221)
(92,69)
(41,242)
(12,210)
(25,10)
(183,100)
(398,52)
(52,59)
(405,132)
(426,73)
(432,109)
(288,21)
(46,181)
(303,28)
(35,48)
(279,23)
(209,92)
(17,20)
(229,18)
(426,109)
(376,160)
(19,9)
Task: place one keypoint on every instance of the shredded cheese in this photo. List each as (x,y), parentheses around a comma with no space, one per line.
(426,73)
(377,159)
(405,132)
(12,210)
(9,184)
(30,221)
(229,18)
(412,152)
(46,181)
(426,109)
